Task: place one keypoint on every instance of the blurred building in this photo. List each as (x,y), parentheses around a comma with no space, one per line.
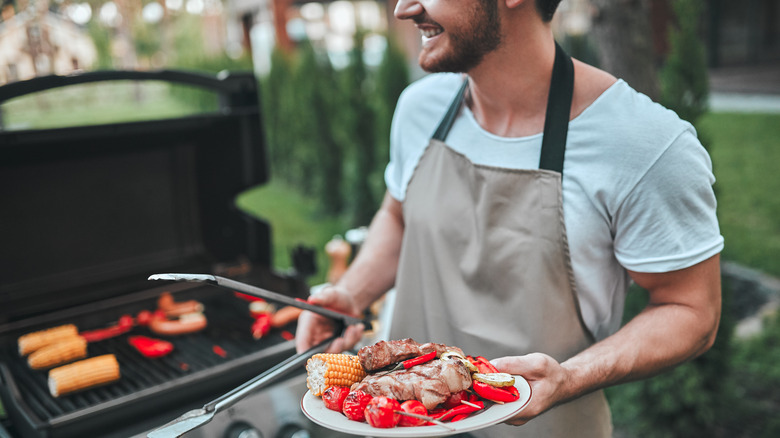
(38,42)
(743,33)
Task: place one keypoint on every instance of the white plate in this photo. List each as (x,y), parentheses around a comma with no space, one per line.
(314,408)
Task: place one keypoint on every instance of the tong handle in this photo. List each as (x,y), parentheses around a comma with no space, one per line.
(268,377)
(263,293)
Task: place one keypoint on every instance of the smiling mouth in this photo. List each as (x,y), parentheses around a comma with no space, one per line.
(427,27)
(431,32)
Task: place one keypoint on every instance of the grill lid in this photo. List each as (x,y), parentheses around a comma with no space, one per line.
(89,212)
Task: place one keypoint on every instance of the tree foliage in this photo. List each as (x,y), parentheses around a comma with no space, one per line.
(328,130)
(685,87)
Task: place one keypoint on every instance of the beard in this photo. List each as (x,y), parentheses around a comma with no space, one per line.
(468,44)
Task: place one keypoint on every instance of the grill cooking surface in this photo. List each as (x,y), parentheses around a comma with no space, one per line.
(197,358)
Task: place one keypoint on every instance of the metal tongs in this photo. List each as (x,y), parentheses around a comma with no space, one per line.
(198,417)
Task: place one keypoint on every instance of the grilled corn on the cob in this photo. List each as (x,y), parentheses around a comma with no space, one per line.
(327,369)
(83,374)
(58,353)
(35,340)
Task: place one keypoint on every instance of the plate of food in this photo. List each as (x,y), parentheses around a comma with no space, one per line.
(405,389)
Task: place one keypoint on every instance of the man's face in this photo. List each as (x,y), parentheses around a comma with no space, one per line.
(456,34)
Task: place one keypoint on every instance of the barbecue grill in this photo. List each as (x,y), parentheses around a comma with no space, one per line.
(124,201)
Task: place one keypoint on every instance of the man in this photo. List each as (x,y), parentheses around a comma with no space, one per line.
(546,187)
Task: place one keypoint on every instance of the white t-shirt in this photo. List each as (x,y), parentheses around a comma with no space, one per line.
(637,184)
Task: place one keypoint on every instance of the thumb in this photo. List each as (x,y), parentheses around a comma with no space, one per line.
(529,366)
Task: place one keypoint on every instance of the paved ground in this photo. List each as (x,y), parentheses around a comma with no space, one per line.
(746,89)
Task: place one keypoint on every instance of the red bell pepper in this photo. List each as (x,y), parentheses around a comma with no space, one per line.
(482,364)
(459,417)
(219,351)
(143,318)
(504,394)
(262,325)
(462,409)
(123,326)
(150,347)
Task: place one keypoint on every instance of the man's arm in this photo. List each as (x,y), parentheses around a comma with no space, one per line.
(679,323)
(370,275)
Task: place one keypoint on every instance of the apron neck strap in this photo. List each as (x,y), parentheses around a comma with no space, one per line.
(556,121)
(452,113)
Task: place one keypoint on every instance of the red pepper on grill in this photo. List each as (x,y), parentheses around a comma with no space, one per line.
(262,325)
(124,325)
(462,409)
(504,394)
(150,347)
(219,351)
(143,318)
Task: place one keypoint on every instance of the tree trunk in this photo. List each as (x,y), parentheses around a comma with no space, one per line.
(623,35)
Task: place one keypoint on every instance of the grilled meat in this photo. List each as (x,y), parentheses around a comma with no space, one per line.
(384,353)
(430,383)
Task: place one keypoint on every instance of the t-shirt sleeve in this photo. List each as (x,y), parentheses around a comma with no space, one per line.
(394,170)
(668,221)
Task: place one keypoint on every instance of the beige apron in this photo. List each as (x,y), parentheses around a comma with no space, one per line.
(485,263)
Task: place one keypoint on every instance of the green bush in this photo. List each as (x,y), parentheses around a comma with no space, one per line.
(328,130)
(684,83)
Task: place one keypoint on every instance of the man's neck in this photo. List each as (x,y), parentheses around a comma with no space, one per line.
(508,90)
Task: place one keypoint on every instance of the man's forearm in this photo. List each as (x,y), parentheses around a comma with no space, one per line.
(373,271)
(675,327)
(656,340)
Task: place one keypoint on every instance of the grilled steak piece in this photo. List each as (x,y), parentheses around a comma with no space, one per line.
(384,353)
(430,383)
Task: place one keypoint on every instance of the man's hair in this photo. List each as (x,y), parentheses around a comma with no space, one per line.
(547,8)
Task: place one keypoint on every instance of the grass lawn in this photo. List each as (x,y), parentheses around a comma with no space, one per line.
(745,150)
(97,103)
(294,221)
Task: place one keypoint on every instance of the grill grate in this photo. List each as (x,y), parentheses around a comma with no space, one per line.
(193,360)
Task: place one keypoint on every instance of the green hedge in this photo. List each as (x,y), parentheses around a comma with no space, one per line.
(328,129)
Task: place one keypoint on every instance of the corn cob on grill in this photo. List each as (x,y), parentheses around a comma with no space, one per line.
(83,374)
(61,352)
(35,340)
(328,369)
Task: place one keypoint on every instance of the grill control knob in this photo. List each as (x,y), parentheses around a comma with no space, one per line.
(293,431)
(243,430)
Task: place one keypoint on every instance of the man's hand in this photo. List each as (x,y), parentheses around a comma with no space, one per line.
(313,328)
(370,275)
(548,380)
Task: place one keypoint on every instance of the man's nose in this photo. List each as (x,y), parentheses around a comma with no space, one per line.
(406,9)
